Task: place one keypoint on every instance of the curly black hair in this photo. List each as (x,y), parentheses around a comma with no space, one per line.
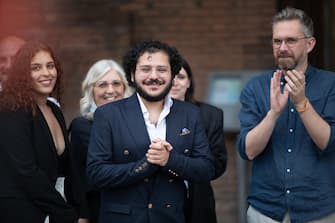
(130,59)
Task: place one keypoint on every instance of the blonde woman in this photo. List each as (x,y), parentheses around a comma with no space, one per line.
(104,82)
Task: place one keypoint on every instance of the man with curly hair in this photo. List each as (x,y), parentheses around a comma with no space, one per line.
(144,149)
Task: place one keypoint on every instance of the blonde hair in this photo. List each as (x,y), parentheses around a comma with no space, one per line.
(95,73)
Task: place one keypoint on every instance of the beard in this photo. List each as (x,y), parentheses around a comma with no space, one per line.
(151,98)
(286,62)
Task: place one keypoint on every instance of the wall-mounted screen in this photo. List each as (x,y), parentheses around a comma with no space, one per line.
(224,89)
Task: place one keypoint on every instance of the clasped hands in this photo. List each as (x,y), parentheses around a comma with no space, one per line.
(294,88)
(158,152)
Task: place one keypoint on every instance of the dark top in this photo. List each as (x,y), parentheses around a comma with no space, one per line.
(29,167)
(201,195)
(292,174)
(80,130)
(133,190)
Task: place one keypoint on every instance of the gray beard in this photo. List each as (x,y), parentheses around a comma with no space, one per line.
(285,64)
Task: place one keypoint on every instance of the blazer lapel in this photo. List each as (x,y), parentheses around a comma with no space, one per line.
(173,123)
(45,129)
(136,124)
(42,121)
(61,121)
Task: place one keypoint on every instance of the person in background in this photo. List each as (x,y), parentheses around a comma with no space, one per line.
(288,130)
(201,201)
(105,82)
(142,148)
(38,177)
(9,45)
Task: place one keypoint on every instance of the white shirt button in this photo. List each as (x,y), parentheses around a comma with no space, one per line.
(288,191)
(289,150)
(291,130)
(288,170)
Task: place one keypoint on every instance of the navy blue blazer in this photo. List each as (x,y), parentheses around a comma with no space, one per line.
(133,190)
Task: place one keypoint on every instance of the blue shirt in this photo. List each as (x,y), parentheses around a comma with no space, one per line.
(292,174)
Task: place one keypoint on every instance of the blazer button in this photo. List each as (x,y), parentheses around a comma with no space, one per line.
(186,150)
(168,205)
(170,180)
(150,205)
(146,180)
(125,152)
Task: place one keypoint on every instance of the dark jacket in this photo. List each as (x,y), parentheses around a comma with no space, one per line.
(201,205)
(29,167)
(80,130)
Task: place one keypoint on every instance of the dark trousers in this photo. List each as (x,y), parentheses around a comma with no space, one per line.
(15,210)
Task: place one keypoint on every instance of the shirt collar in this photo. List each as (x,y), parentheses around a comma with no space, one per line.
(168,102)
(308,73)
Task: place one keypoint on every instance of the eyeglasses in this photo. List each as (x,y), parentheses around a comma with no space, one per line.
(290,42)
(158,69)
(105,84)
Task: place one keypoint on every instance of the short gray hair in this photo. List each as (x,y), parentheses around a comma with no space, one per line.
(95,73)
(290,13)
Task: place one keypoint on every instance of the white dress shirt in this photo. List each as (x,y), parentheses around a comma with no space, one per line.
(158,130)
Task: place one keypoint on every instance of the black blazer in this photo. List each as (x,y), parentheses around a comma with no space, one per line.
(29,167)
(80,130)
(201,206)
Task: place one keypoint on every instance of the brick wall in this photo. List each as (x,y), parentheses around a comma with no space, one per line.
(213,35)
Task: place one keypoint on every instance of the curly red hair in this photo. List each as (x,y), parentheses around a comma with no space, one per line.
(17,89)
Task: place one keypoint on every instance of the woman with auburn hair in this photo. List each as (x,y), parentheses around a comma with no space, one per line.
(38,177)
(105,82)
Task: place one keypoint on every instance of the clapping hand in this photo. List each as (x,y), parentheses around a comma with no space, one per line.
(278,99)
